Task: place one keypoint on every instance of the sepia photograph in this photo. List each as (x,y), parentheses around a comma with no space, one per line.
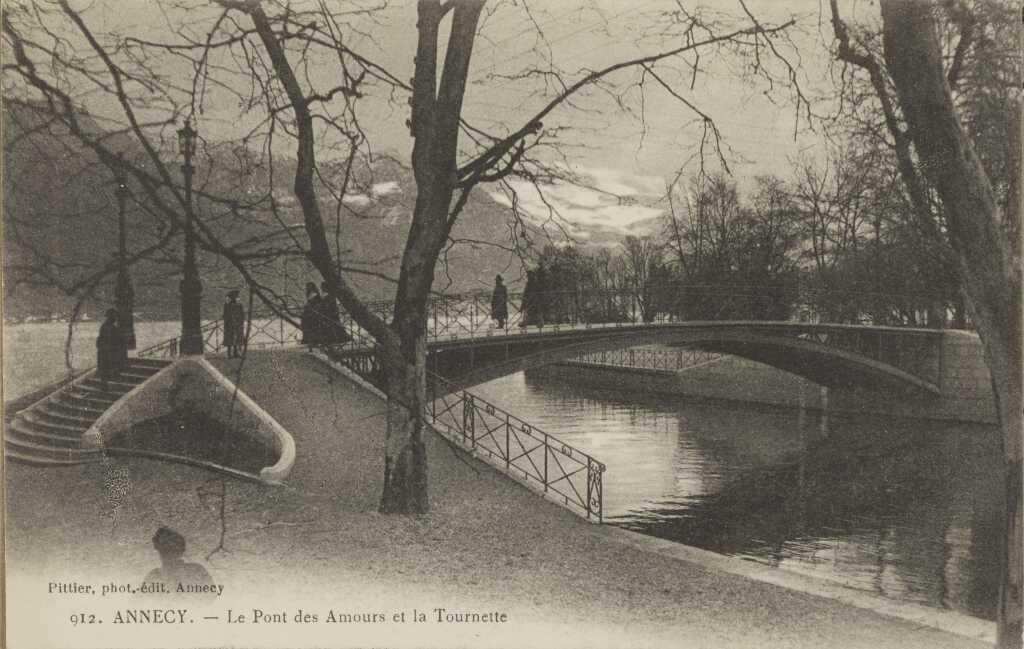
(525,324)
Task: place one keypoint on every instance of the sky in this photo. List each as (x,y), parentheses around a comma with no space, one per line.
(622,152)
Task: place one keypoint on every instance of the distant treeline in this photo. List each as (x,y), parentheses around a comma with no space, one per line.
(784,253)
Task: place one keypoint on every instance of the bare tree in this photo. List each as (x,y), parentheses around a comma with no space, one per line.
(262,56)
(642,257)
(937,153)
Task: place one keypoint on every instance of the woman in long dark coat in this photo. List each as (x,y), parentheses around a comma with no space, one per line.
(334,331)
(312,317)
(499,302)
(110,348)
(234,325)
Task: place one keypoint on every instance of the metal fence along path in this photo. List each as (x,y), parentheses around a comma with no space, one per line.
(541,461)
(522,450)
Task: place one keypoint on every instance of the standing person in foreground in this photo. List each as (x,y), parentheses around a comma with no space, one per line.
(234,325)
(499,302)
(110,349)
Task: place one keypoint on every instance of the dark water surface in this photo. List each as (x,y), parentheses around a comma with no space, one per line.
(907,509)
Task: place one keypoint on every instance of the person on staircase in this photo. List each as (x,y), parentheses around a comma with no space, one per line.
(234,325)
(111,351)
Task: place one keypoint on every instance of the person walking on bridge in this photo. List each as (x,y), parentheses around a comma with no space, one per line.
(234,325)
(499,302)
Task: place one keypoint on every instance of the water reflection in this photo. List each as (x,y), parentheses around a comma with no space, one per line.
(906,509)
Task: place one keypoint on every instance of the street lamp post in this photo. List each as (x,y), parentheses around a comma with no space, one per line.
(124,296)
(191,287)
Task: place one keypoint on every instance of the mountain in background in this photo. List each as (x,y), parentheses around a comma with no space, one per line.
(60,223)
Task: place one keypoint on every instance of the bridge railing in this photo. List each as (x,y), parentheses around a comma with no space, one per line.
(670,360)
(521,450)
(470,314)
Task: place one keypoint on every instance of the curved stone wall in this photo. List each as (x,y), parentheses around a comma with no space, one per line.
(192,383)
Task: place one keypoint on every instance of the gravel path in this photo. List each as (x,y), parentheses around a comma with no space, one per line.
(318,544)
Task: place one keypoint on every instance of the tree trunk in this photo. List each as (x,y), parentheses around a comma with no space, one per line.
(990,272)
(405,459)
(436,111)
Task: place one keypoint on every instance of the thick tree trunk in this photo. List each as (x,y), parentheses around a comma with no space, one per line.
(436,111)
(405,460)
(990,272)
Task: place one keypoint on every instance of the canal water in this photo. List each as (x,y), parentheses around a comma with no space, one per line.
(905,509)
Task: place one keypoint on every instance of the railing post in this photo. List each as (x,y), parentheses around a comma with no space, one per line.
(508,448)
(468,418)
(433,401)
(547,449)
(590,485)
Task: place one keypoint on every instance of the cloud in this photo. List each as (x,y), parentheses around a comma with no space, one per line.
(376,191)
(385,188)
(356,199)
(602,199)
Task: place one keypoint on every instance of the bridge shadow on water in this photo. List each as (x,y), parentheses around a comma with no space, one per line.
(903,508)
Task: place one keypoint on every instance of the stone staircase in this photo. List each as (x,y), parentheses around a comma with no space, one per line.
(49,433)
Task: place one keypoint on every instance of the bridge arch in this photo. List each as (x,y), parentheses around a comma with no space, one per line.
(877,358)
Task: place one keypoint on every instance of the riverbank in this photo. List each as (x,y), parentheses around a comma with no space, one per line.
(488,546)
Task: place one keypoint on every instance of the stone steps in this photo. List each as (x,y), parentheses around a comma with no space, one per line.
(49,433)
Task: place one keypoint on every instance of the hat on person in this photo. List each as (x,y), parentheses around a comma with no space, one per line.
(111,312)
(497,278)
(311,288)
(233,292)
(168,542)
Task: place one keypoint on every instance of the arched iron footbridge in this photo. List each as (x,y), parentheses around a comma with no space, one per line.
(467,347)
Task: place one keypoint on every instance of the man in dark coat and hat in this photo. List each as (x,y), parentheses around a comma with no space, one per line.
(312,317)
(234,325)
(499,302)
(334,332)
(111,353)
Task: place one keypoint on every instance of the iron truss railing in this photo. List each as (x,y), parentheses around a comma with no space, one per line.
(519,449)
(669,360)
(468,315)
